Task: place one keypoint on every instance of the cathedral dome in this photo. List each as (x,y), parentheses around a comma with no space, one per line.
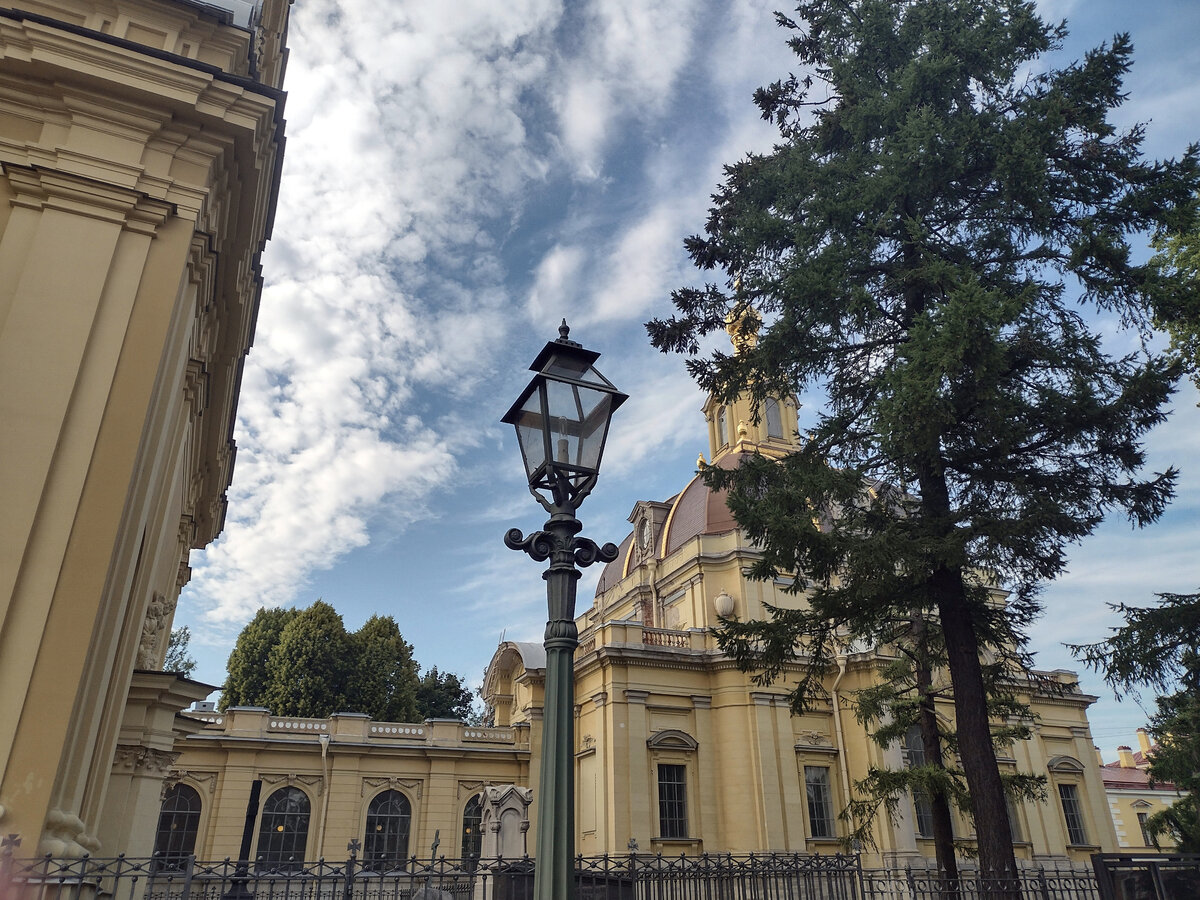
(694,511)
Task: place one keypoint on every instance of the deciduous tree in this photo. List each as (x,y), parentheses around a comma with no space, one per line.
(441,695)
(248,675)
(178,659)
(312,665)
(385,680)
(921,242)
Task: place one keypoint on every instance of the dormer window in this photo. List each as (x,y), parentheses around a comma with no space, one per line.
(722,427)
(645,536)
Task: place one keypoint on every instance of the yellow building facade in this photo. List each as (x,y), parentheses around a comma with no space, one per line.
(1133,798)
(140,150)
(681,752)
(678,751)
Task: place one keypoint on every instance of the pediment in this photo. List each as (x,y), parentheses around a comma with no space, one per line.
(672,739)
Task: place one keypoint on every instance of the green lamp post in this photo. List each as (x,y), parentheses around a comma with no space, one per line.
(562,420)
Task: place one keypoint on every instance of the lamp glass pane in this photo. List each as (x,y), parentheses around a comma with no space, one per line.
(595,430)
(566,419)
(531,433)
(569,365)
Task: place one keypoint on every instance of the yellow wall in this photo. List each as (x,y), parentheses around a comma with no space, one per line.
(437,765)
(137,185)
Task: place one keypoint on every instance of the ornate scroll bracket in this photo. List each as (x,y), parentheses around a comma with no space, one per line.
(541,545)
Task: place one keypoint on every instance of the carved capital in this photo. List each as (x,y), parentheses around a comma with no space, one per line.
(144,760)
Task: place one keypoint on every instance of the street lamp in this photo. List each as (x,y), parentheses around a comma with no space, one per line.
(562,421)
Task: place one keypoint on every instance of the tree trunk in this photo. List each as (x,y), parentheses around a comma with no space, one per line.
(943,829)
(993,835)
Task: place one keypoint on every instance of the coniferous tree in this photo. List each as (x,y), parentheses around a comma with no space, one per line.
(1157,647)
(920,243)
(1179,256)
(249,675)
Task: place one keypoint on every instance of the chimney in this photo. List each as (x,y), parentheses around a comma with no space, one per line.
(1143,740)
(1126,756)
(1099,755)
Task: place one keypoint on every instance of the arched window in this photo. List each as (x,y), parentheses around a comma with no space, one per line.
(178,824)
(722,427)
(283,834)
(774,418)
(472,836)
(388,817)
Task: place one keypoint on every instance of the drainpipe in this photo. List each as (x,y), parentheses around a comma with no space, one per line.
(843,766)
(324,740)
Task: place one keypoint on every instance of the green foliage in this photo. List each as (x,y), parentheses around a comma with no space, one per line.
(249,674)
(385,681)
(1157,646)
(311,666)
(1176,759)
(920,243)
(1179,256)
(305,663)
(178,659)
(441,695)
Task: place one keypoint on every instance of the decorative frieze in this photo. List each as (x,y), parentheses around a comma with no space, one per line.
(206,780)
(314,781)
(413,786)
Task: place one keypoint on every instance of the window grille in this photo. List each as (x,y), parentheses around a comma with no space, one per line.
(472,837)
(385,846)
(914,757)
(1142,817)
(672,801)
(1068,794)
(820,801)
(178,825)
(283,834)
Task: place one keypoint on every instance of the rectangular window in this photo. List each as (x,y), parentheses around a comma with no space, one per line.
(923,808)
(1142,825)
(672,801)
(914,758)
(1014,820)
(820,801)
(1068,794)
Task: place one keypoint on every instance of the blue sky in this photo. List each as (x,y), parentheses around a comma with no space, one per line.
(458,178)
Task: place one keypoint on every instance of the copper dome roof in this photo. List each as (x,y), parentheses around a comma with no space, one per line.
(695,510)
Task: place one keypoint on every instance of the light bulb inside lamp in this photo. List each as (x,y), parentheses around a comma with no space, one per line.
(563,455)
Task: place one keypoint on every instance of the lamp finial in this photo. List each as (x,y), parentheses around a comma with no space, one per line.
(564,335)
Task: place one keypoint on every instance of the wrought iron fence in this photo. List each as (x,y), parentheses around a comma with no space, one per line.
(1147,876)
(631,877)
(1031,884)
(767,876)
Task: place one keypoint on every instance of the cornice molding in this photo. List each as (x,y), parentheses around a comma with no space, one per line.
(40,189)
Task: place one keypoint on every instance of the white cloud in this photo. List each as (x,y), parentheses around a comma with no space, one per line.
(629,58)
(406,145)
